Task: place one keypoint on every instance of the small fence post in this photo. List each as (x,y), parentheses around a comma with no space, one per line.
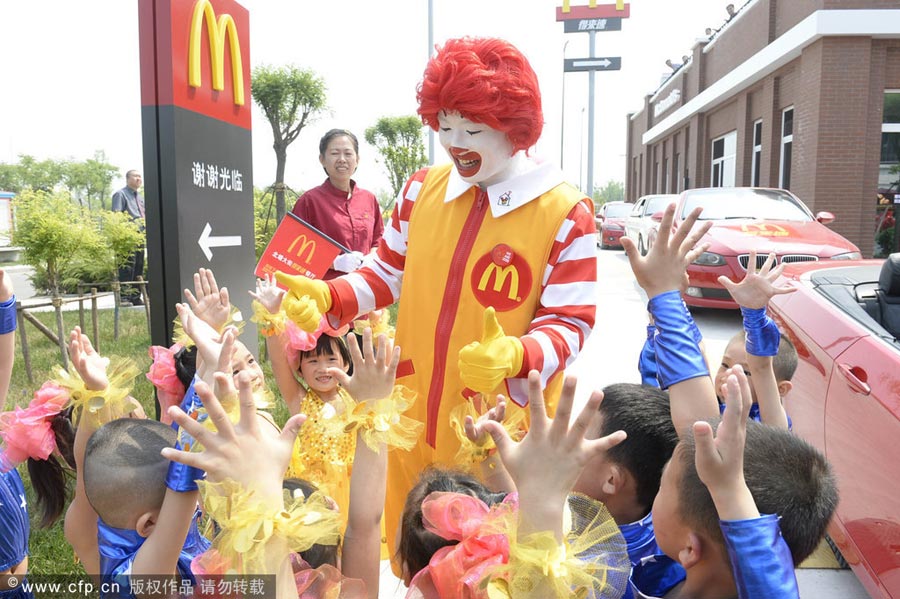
(81,307)
(60,337)
(95,319)
(117,296)
(142,285)
(26,355)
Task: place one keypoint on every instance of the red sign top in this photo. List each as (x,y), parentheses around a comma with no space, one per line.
(196,55)
(600,11)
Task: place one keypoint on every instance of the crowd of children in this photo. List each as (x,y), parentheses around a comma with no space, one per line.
(645,493)
(689,486)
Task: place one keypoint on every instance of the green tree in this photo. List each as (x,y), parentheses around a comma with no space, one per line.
(290,98)
(43,175)
(399,141)
(10,177)
(613,191)
(54,232)
(121,237)
(89,181)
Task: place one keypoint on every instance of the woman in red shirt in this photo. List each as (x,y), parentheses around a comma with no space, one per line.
(339,207)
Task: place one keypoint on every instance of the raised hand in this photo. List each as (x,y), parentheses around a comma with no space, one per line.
(6,286)
(475,429)
(234,451)
(664,266)
(374,369)
(546,463)
(210,343)
(757,288)
(268,294)
(484,364)
(89,365)
(719,458)
(209,303)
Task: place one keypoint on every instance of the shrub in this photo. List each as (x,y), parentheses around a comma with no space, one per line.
(54,232)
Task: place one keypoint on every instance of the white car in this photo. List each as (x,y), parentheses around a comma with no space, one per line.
(640,226)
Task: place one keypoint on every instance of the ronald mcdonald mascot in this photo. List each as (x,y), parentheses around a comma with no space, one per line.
(492,256)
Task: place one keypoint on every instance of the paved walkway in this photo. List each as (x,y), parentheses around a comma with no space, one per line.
(26,293)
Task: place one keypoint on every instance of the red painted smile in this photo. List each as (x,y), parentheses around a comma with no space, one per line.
(467,163)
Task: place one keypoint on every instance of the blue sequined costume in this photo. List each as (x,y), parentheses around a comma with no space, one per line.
(14,528)
(118,548)
(761,563)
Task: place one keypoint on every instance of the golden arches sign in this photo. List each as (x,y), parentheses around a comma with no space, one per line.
(501,272)
(620,5)
(217,29)
(306,245)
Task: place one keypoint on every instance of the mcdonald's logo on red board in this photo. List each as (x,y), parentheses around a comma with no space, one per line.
(202,50)
(301,246)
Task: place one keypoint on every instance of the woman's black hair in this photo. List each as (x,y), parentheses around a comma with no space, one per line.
(326,139)
(49,477)
(417,545)
(186,365)
(317,555)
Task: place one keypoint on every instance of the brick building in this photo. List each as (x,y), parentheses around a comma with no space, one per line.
(803,95)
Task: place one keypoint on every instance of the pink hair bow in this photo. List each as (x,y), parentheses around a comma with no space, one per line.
(164,377)
(298,340)
(457,570)
(27,433)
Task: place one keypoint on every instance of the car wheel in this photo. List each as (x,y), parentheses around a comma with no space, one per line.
(641,248)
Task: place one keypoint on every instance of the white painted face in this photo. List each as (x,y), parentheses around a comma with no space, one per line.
(483,156)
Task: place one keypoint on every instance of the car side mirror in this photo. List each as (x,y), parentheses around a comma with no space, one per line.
(657,216)
(825,217)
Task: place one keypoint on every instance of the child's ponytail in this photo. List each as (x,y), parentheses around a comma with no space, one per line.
(49,477)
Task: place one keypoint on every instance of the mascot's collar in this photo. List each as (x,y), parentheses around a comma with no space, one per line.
(513,193)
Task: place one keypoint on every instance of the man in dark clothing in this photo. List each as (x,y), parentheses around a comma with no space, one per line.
(131,202)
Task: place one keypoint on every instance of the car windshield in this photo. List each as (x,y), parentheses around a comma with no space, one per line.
(658,204)
(618,210)
(739,203)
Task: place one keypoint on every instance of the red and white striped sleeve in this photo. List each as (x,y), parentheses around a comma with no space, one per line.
(568,304)
(377,284)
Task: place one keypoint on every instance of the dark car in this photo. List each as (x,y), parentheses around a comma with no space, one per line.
(844,320)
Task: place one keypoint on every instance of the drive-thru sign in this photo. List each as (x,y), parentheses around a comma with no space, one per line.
(198,177)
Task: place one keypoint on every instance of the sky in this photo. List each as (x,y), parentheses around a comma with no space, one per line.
(70,74)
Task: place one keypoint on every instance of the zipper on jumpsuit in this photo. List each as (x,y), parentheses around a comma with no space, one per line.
(449,306)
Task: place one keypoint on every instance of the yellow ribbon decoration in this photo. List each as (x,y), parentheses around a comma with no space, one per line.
(269,324)
(104,406)
(382,420)
(470,454)
(246,524)
(592,562)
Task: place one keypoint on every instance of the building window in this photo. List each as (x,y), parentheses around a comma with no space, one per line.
(888,178)
(757,154)
(723,151)
(676,176)
(665,175)
(787,141)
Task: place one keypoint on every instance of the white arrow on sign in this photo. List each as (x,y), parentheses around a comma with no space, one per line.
(208,241)
(592,63)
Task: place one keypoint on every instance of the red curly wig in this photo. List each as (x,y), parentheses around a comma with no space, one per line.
(486,80)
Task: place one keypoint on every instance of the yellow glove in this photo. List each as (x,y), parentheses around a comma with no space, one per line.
(484,364)
(306,300)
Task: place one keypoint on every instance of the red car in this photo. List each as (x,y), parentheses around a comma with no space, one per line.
(844,320)
(751,218)
(610,220)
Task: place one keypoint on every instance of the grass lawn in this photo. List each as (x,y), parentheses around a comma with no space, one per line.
(49,552)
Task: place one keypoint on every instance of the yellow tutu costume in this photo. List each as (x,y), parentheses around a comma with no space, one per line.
(323,451)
